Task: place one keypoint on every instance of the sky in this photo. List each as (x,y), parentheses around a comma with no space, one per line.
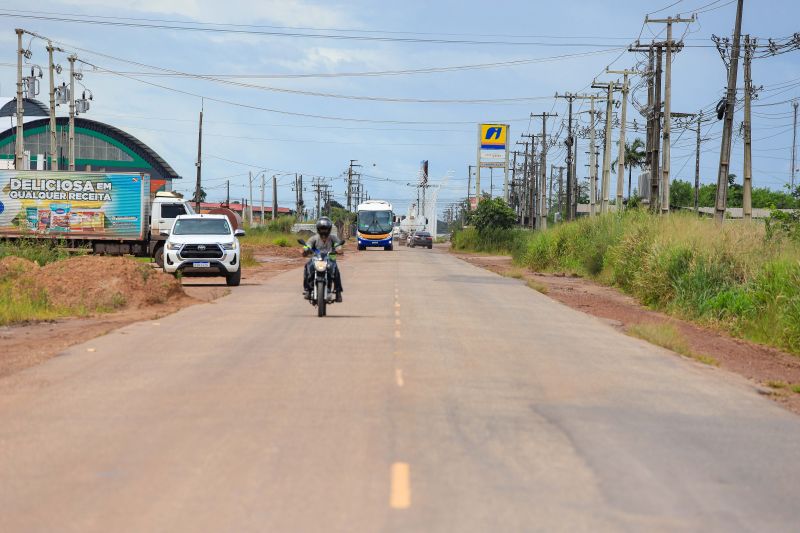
(299,113)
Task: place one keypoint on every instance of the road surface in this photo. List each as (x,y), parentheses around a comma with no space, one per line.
(438,397)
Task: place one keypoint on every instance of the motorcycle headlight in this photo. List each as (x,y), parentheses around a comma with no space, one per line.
(174,246)
(228,245)
(320,266)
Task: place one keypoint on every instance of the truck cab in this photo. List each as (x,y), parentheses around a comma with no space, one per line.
(166,207)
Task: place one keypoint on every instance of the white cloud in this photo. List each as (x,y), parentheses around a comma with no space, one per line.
(280,12)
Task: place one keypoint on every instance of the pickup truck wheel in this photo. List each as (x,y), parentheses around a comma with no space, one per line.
(234,279)
(158,256)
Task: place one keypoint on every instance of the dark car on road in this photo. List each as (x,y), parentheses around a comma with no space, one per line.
(422,238)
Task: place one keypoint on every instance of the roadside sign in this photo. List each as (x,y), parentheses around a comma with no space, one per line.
(493,141)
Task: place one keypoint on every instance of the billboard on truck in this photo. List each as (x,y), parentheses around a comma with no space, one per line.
(82,205)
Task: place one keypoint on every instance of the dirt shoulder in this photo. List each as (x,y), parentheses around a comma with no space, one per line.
(26,345)
(770,369)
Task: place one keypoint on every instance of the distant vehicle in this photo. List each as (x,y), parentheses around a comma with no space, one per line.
(421,238)
(204,245)
(375,225)
(110,212)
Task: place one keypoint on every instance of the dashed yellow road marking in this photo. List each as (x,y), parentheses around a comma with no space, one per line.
(400,497)
(396,334)
(397,304)
(397,312)
(398,376)
(396,321)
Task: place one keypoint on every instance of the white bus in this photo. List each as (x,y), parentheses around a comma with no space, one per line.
(375,224)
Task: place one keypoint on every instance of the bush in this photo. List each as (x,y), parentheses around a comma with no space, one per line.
(492,241)
(281,224)
(738,277)
(493,215)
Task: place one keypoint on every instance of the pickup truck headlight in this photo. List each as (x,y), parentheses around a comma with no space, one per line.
(174,246)
(228,245)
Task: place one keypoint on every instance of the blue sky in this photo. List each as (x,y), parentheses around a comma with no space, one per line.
(390,138)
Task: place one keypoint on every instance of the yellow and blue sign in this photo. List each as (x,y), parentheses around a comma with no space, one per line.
(493,136)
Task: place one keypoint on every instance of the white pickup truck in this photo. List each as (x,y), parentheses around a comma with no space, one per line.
(204,245)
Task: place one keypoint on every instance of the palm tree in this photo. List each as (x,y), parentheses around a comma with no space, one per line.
(635,156)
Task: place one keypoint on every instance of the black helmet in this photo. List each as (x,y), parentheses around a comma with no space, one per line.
(324,226)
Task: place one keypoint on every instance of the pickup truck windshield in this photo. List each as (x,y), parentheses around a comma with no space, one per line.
(202,226)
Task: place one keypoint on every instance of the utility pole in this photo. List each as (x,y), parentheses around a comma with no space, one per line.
(568,143)
(721,203)
(263,185)
(350,184)
(524,195)
(541,196)
(747,190)
(610,87)
(794,142)
(19,146)
(72,59)
(198,184)
(623,124)
(530,148)
(250,180)
(274,198)
(669,21)
(697,167)
(560,191)
(469,183)
(228,193)
(53,143)
(592,163)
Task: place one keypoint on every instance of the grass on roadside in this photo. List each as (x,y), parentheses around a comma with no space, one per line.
(667,336)
(40,251)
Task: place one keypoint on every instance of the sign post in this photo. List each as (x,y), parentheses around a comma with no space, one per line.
(492,153)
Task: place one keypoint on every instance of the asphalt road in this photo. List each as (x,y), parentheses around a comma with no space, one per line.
(438,397)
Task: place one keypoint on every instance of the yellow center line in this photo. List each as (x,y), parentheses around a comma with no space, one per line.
(400,497)
(397,312)
(398,375)
(396,321)
(396,334)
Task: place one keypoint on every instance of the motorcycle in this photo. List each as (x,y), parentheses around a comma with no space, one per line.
(322,289)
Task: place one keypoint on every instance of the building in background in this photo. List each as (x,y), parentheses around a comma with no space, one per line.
(98,147)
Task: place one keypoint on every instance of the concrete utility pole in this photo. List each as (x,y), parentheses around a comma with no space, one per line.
(19,146)
(350,183)
(541,203)
(665,178)
(655,175)
(592,163)
(721,203)
(794,143)
(698,117)
(523,184)
(697,166)
(250,181)
(622,130)
(198,181)
(72,58)
(263,186)
(53,143)
(560,191)
(747,190)
(606,184)
(569,143)
(274,198)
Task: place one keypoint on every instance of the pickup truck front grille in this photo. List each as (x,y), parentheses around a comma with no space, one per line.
(201,251)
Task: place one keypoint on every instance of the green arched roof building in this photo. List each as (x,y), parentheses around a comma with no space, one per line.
(98,147)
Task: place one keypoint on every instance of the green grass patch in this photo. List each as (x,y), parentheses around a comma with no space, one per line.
(667,336)
(796,388)
(777,384)
(40,251)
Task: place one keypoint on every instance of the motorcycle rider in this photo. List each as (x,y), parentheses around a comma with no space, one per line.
(323,241)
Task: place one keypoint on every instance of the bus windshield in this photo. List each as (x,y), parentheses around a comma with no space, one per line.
(375,222)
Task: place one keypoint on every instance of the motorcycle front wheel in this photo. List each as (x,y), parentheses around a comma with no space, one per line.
(321,302)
